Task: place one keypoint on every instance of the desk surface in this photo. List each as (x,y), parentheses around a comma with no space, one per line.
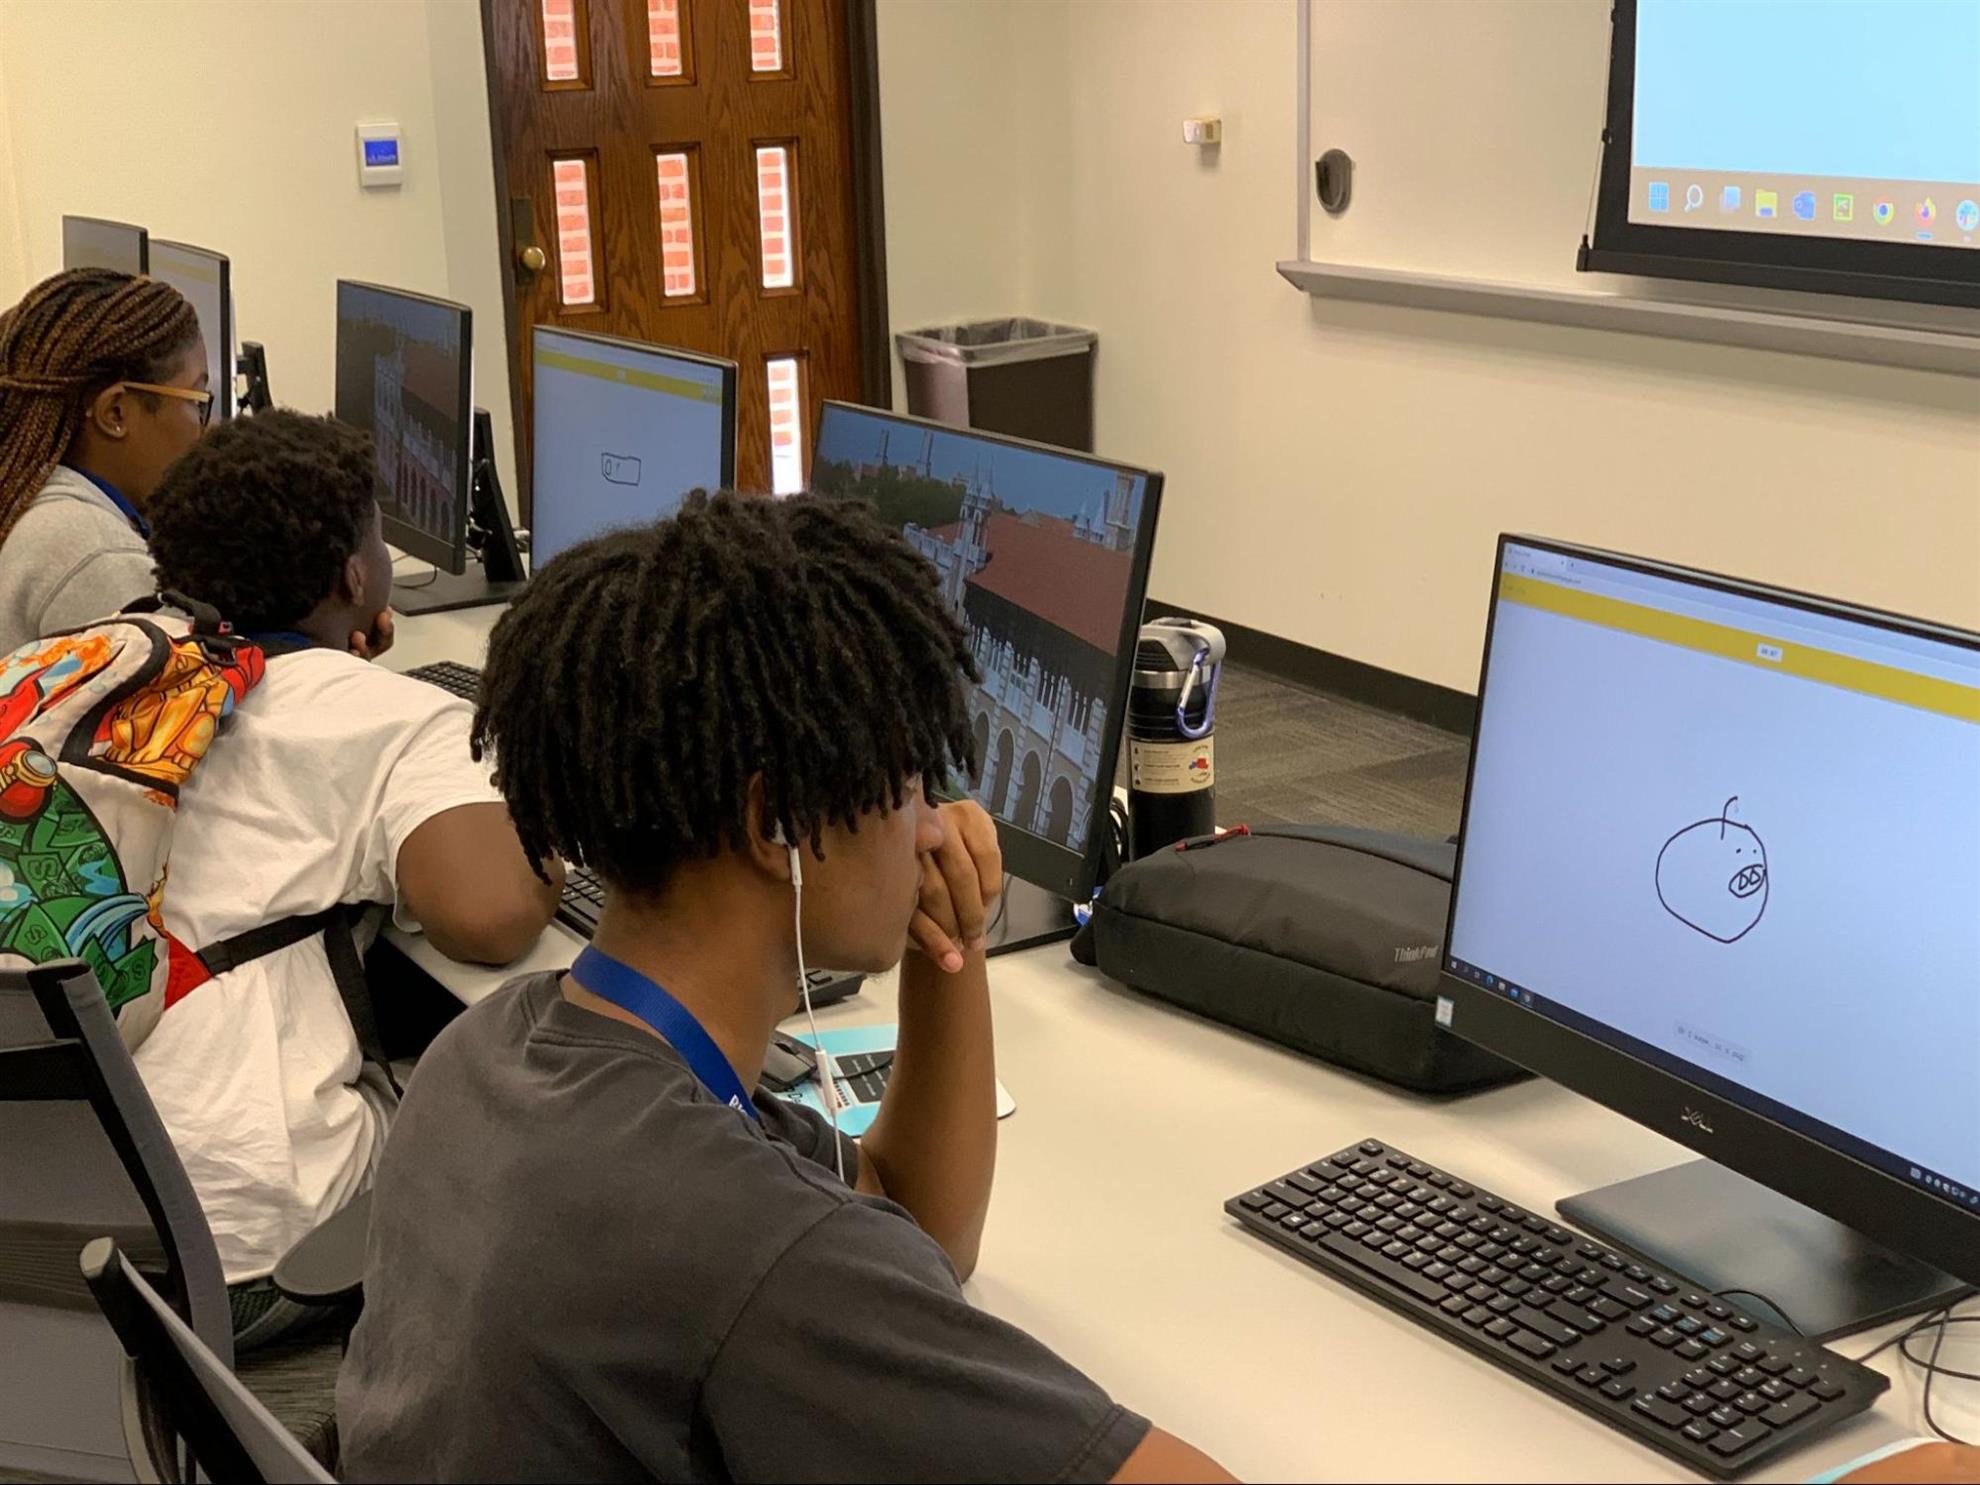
(1107,1239)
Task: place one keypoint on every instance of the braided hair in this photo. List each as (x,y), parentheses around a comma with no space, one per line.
(645,677)
(72,336)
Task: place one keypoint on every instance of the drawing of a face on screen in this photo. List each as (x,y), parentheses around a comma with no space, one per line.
(1034,553)
(1712,876)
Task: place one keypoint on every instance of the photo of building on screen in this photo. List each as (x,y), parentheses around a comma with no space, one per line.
(409,386)
(1033,552)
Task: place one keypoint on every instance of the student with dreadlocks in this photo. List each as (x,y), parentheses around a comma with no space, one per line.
(598,1249)
(102,386)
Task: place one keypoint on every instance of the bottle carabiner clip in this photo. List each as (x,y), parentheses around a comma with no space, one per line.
(1195,730)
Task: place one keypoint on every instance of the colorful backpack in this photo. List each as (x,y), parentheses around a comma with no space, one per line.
(100,728)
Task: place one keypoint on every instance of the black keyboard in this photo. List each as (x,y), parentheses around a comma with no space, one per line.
(1682,1370)
(862,1075)
(462,680)
(584,899)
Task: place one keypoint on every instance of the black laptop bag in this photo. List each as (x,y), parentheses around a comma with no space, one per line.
(1324,939)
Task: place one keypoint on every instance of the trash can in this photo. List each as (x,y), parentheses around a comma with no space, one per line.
(1025,377)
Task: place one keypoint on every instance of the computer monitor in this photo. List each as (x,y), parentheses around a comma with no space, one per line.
(1043,554)
(204,278)
(1719,871)
(92,242)
(404,375)
(623,431)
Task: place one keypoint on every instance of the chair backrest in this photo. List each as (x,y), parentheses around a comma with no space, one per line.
(188,1395)
(83,1154)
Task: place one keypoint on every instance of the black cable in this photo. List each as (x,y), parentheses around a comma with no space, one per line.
(1899,1339)
(1945,1319)
(1114,848)
(1785,1318)
(1933,1370)
(1939,1320)
(1003,901)
(425,582)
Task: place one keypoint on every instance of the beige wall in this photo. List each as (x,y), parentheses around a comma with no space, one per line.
(951,177)
(230,125)
(13,259)
(973,179)
(1337,472)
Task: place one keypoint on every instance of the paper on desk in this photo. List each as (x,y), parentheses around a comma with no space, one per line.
(855,1118)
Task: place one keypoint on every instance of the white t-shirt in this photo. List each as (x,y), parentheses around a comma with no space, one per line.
(303,803)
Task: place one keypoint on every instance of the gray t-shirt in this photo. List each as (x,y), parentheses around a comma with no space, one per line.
(582,1266)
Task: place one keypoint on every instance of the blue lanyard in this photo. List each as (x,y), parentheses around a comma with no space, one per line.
(281,641)
(630,990)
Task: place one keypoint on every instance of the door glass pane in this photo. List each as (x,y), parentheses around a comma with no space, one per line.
(561,62)
(786,425)
(576,283)
(663,39)
(676,224)
(766,35)
(776,211)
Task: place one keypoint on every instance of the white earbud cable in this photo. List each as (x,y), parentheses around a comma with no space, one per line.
(828,1086)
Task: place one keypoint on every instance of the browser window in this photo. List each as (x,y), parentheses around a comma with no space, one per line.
(1740,839)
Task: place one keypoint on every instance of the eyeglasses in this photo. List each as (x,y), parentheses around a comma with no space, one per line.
(202,400)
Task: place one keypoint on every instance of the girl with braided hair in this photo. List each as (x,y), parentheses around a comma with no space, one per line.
(102,386)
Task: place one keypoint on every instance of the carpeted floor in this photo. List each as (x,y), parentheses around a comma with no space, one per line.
(1288,755)
(1284,754)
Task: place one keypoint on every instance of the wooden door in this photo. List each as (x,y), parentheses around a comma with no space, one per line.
(686,171)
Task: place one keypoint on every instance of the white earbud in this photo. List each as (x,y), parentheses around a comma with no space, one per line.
(828,1075)
(777,837)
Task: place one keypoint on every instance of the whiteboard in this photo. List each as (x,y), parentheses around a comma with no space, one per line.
(1475,127)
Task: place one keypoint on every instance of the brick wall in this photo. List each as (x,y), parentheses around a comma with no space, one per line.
(676,226)
(663,37)
(786,425)
(766,35)
(560,49)
(774,210)
(573,185)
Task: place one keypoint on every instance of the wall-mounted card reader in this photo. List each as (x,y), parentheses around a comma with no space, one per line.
(378,155)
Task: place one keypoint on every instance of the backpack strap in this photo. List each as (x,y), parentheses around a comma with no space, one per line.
(347,968)
(243,948)
(336,924)
(205,618)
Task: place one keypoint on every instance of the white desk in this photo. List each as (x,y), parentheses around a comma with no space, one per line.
(1108,1242)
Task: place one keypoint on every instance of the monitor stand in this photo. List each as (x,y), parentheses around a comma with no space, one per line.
(497,574)
(1728,1234)
(251,366)
(447,590)
(1028,916)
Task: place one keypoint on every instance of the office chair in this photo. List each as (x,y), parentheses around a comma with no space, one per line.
(188,1404)
(83,1153)
(326,1266)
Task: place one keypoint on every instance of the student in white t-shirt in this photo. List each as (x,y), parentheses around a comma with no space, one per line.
(335,781)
